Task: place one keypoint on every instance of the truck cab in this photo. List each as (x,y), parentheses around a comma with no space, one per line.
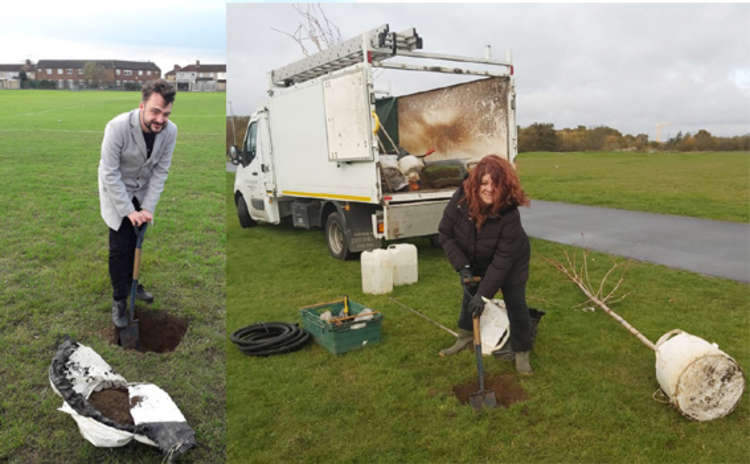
(254,184)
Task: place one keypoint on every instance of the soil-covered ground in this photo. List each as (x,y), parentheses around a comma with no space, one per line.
(506,387)
(159,332)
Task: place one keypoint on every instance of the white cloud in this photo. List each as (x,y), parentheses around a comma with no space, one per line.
(36,48)
(57,10)
(166,32)
(741,78)
(629,66)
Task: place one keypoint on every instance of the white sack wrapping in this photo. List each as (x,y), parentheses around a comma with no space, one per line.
(97,433)
(701,381)
(494,325)
(77,371)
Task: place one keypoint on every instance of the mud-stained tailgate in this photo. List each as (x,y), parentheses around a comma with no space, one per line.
(413,219)
(468,120)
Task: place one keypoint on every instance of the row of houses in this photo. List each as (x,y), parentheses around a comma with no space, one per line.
(199,77)
(114,74)
(11,74)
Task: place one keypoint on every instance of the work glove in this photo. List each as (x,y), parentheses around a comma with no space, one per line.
(476,305)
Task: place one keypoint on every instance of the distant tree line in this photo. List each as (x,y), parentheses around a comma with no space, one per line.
(544,137)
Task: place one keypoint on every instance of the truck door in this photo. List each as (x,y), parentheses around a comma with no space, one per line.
(266,155)
(258,175)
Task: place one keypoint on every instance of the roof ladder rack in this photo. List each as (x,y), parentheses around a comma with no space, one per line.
(378,44)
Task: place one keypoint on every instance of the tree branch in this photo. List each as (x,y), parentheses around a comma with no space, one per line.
(314,27)
(578,278)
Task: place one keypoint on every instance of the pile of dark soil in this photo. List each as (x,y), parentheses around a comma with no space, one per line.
(159,332)
(442,175)
(506,387)
(113,403)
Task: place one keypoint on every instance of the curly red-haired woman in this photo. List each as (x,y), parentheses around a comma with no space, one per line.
(482,235)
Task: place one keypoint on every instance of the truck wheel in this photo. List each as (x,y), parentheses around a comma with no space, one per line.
(242,213)
(338,242)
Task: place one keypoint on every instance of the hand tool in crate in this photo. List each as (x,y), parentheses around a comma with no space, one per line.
(344,333)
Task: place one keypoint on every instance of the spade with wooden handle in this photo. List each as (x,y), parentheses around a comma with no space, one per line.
(129,336)
(482,398)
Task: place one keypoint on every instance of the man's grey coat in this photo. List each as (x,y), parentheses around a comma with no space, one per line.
(124,170)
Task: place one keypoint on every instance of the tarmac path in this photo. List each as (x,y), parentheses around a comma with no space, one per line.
(716,248)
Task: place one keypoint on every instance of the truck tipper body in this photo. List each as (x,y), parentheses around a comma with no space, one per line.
(327,150)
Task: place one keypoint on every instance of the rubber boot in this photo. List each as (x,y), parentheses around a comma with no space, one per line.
(523,366)
(119,313)
(463,341)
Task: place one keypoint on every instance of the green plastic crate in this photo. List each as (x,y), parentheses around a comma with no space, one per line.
(345,337)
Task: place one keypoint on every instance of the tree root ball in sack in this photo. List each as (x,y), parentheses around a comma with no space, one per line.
(506,387)
(159,332)
(110,411)
(113,403)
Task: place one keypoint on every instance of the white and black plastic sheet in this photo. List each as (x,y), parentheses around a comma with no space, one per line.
(77,371)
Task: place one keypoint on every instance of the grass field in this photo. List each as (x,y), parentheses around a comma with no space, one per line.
(53,269)
(590,399)
(706,185)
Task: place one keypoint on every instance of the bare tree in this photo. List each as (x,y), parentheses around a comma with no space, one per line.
(579,274)
(95,73)
(315,29)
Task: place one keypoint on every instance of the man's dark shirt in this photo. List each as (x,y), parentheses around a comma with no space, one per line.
(149,138)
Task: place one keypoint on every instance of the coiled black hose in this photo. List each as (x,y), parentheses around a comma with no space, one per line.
(269,338)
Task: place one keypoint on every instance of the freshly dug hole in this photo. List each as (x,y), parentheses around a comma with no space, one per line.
(113,403)
(159,332)
(506,387)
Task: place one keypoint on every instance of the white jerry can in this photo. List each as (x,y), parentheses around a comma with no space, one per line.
(701,381)
(404,260)
(377,272)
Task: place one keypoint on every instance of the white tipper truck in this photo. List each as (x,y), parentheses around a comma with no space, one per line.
(327,150)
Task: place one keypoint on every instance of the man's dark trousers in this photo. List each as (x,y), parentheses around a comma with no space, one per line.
(121,255)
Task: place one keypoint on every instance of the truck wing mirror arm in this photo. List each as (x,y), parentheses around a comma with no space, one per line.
(240,157)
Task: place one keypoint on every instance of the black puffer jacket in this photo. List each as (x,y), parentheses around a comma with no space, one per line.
(499,252)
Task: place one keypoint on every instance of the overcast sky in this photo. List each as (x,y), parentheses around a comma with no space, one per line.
(628,66)
(166,32)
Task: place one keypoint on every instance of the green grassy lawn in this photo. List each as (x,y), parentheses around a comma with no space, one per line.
(54,278)
(590,399)
(706,185)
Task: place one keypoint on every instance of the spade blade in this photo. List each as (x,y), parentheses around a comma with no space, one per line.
(482,399)
(128,336)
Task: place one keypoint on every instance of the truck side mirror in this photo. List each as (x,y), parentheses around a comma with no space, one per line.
(242,157)
(234,155)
